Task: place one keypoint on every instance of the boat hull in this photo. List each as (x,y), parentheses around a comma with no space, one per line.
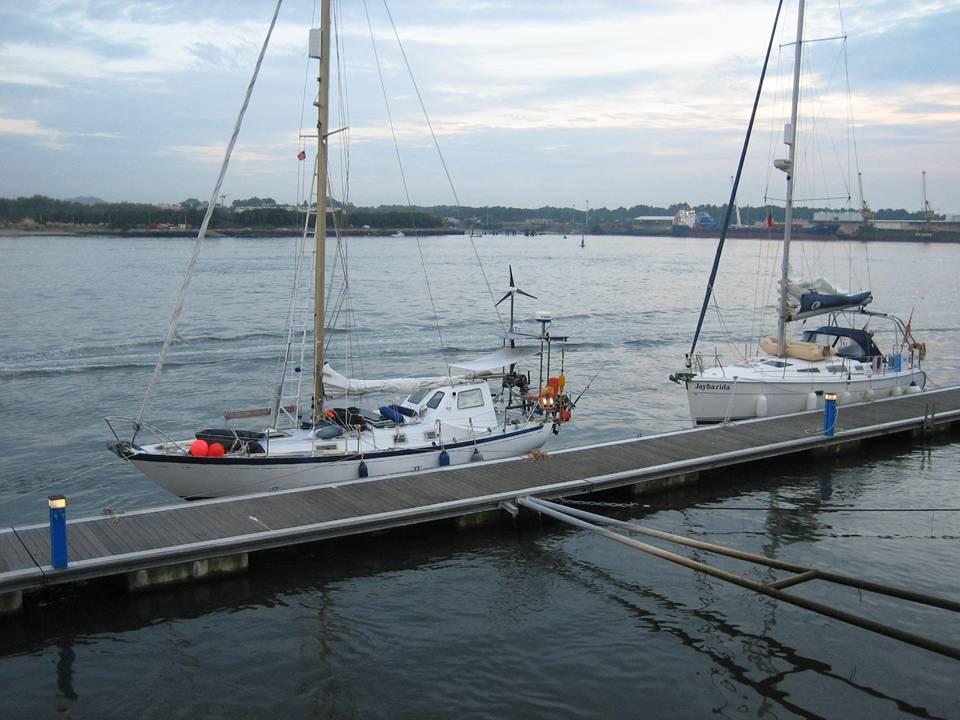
(194,478)
(717,400)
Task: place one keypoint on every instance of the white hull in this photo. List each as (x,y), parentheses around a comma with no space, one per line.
(714,398)
(193,478)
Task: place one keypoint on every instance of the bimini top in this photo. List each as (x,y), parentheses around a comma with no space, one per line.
(862,348)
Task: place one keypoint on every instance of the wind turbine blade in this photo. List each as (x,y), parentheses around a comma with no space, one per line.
(511,276)
(523,292)
(509,293)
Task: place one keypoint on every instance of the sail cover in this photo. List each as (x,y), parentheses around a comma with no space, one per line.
(809,297)
(337,385)
(496,360)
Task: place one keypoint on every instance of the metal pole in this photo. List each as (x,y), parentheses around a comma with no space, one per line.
(811,573)
(323,112)
(791,140)
(843,616)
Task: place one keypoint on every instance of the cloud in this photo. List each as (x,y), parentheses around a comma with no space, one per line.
(44,136)
(542,88)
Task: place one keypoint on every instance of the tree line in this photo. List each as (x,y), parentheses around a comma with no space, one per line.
(265,212)
(121,216)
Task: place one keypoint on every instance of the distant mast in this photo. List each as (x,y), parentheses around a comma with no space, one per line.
(320,49)
(586,224)
(789,167)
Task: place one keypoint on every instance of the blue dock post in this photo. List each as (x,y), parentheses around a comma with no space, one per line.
(58,531)
(829,414)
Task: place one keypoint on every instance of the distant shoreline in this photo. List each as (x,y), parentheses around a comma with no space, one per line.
(219,232)
(928,238)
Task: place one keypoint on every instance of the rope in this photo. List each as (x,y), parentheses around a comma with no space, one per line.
(182,297)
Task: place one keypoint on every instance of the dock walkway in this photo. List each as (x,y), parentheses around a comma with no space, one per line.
(208,531)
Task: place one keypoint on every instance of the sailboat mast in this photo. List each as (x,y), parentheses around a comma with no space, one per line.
(790,138)
(320,48)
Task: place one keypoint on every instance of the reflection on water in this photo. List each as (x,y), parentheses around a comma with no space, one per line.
(539,622)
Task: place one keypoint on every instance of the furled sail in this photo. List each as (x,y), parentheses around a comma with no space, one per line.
(501,358)
(809,297)
(337,385)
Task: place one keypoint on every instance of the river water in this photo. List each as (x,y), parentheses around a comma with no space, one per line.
(543,622)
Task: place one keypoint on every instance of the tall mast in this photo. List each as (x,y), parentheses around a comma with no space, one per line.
(320,49)
(789,167)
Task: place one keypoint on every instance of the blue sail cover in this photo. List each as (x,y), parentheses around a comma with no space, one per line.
(814,302)
(809,298)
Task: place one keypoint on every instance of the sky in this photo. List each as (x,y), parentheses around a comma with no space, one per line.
(532,102)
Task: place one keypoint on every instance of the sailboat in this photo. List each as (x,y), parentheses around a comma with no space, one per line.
(838,357)
(482,409)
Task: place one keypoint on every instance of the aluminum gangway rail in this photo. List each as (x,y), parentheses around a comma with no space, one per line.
(800,574)
(204,531)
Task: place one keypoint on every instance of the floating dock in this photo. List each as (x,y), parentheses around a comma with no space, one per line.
(177,543)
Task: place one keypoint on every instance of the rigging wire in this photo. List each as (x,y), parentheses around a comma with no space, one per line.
(182,297)
(406,190)
(443,162)
(76,475)
(733,191)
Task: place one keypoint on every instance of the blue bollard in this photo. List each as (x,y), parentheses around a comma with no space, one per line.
(829,414)
(58,531)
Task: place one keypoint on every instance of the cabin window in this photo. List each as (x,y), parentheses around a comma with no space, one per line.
(435,400)
(418,396)
(776,363)
(470,399)
(800,370)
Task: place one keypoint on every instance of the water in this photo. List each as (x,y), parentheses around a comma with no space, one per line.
(541,623)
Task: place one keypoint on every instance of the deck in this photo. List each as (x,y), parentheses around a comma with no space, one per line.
(204,531)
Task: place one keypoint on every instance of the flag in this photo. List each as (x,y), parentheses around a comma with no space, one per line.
(301,155)
(769,219)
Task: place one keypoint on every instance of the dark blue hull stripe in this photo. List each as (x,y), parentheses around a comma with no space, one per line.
(267,459)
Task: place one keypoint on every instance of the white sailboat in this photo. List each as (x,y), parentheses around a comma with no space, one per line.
(481,409)
(837,357)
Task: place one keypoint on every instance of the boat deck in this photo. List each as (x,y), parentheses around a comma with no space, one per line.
(122,543)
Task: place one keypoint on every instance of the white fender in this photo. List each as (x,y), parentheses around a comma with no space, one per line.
(761,405)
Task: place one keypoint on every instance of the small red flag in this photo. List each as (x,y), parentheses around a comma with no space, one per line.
(769,218)
(301,155)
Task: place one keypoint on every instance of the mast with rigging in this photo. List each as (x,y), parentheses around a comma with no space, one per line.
(320,49)
(789,167)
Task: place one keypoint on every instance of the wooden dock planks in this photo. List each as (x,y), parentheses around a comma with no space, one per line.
(117,543)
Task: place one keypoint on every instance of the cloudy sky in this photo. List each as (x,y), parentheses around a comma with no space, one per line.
(533,102)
